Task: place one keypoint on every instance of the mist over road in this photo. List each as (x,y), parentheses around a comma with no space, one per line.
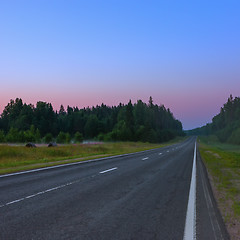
(137,196)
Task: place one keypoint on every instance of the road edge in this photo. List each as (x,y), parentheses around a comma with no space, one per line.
(190,222)
(218,216)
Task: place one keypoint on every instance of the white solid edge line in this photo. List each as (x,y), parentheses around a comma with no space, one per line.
(108,170)
(190,223)
(71,164)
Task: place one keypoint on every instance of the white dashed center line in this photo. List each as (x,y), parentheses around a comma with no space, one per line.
(108,170)
(160,154)
(18,200)
(40,193)
(145,158)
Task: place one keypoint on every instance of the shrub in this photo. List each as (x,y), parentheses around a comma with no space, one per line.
(37,136)
(68,138)
(29,136)
(78,137)
(13,135)
(61,138)
(2,136)
(48,137)
(235,137)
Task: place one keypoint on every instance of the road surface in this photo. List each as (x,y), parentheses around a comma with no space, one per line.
(138,196)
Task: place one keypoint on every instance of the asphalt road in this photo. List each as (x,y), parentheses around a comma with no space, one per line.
(138,196)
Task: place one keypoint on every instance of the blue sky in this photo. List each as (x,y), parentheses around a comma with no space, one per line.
(185,54)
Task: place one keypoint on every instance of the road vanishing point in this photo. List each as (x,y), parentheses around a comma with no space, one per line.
(156,194)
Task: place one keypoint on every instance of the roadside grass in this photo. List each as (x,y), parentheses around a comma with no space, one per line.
(19,158)
(223,164)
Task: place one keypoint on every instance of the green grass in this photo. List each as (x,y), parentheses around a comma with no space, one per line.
(223,163)
(18,158)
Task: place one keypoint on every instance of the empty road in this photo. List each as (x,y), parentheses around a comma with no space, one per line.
(138,196)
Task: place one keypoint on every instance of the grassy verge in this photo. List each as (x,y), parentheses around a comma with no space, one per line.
(223,164)
(18,158)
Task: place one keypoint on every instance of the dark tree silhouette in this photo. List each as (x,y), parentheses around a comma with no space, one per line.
(226,124)
(132,122)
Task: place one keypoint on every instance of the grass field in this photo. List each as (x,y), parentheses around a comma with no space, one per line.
(223,164)
(18,158)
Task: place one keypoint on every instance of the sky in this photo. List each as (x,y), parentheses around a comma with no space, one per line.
(185,54)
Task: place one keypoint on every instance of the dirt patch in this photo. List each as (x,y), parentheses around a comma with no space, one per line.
(214,154)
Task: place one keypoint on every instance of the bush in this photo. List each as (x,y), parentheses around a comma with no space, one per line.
(235,137)
(29,136)
(37,136)
(13,135)
(21,137)
(68,138)
(78,137)
(61,138)
(2,136)
(48,138)
(122,132)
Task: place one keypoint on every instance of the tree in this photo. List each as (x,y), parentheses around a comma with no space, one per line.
(224,125)
(140,122)
(130,120)
(139,113)
(11,113)
(44,118)
(91,127)
(69,110)
(62,110)
(150,102)
(129,115)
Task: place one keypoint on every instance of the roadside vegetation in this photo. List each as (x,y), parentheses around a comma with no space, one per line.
(223,163)
(220,150)
(225,125)
(21,122)
(16,158)
(117,128)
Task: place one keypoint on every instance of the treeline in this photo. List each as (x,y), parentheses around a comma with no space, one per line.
(225,125)
(21,122)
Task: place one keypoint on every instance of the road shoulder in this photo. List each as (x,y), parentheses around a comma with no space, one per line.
(210,224)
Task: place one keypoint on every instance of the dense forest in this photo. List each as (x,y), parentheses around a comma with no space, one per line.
(225,125)
(21,122)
